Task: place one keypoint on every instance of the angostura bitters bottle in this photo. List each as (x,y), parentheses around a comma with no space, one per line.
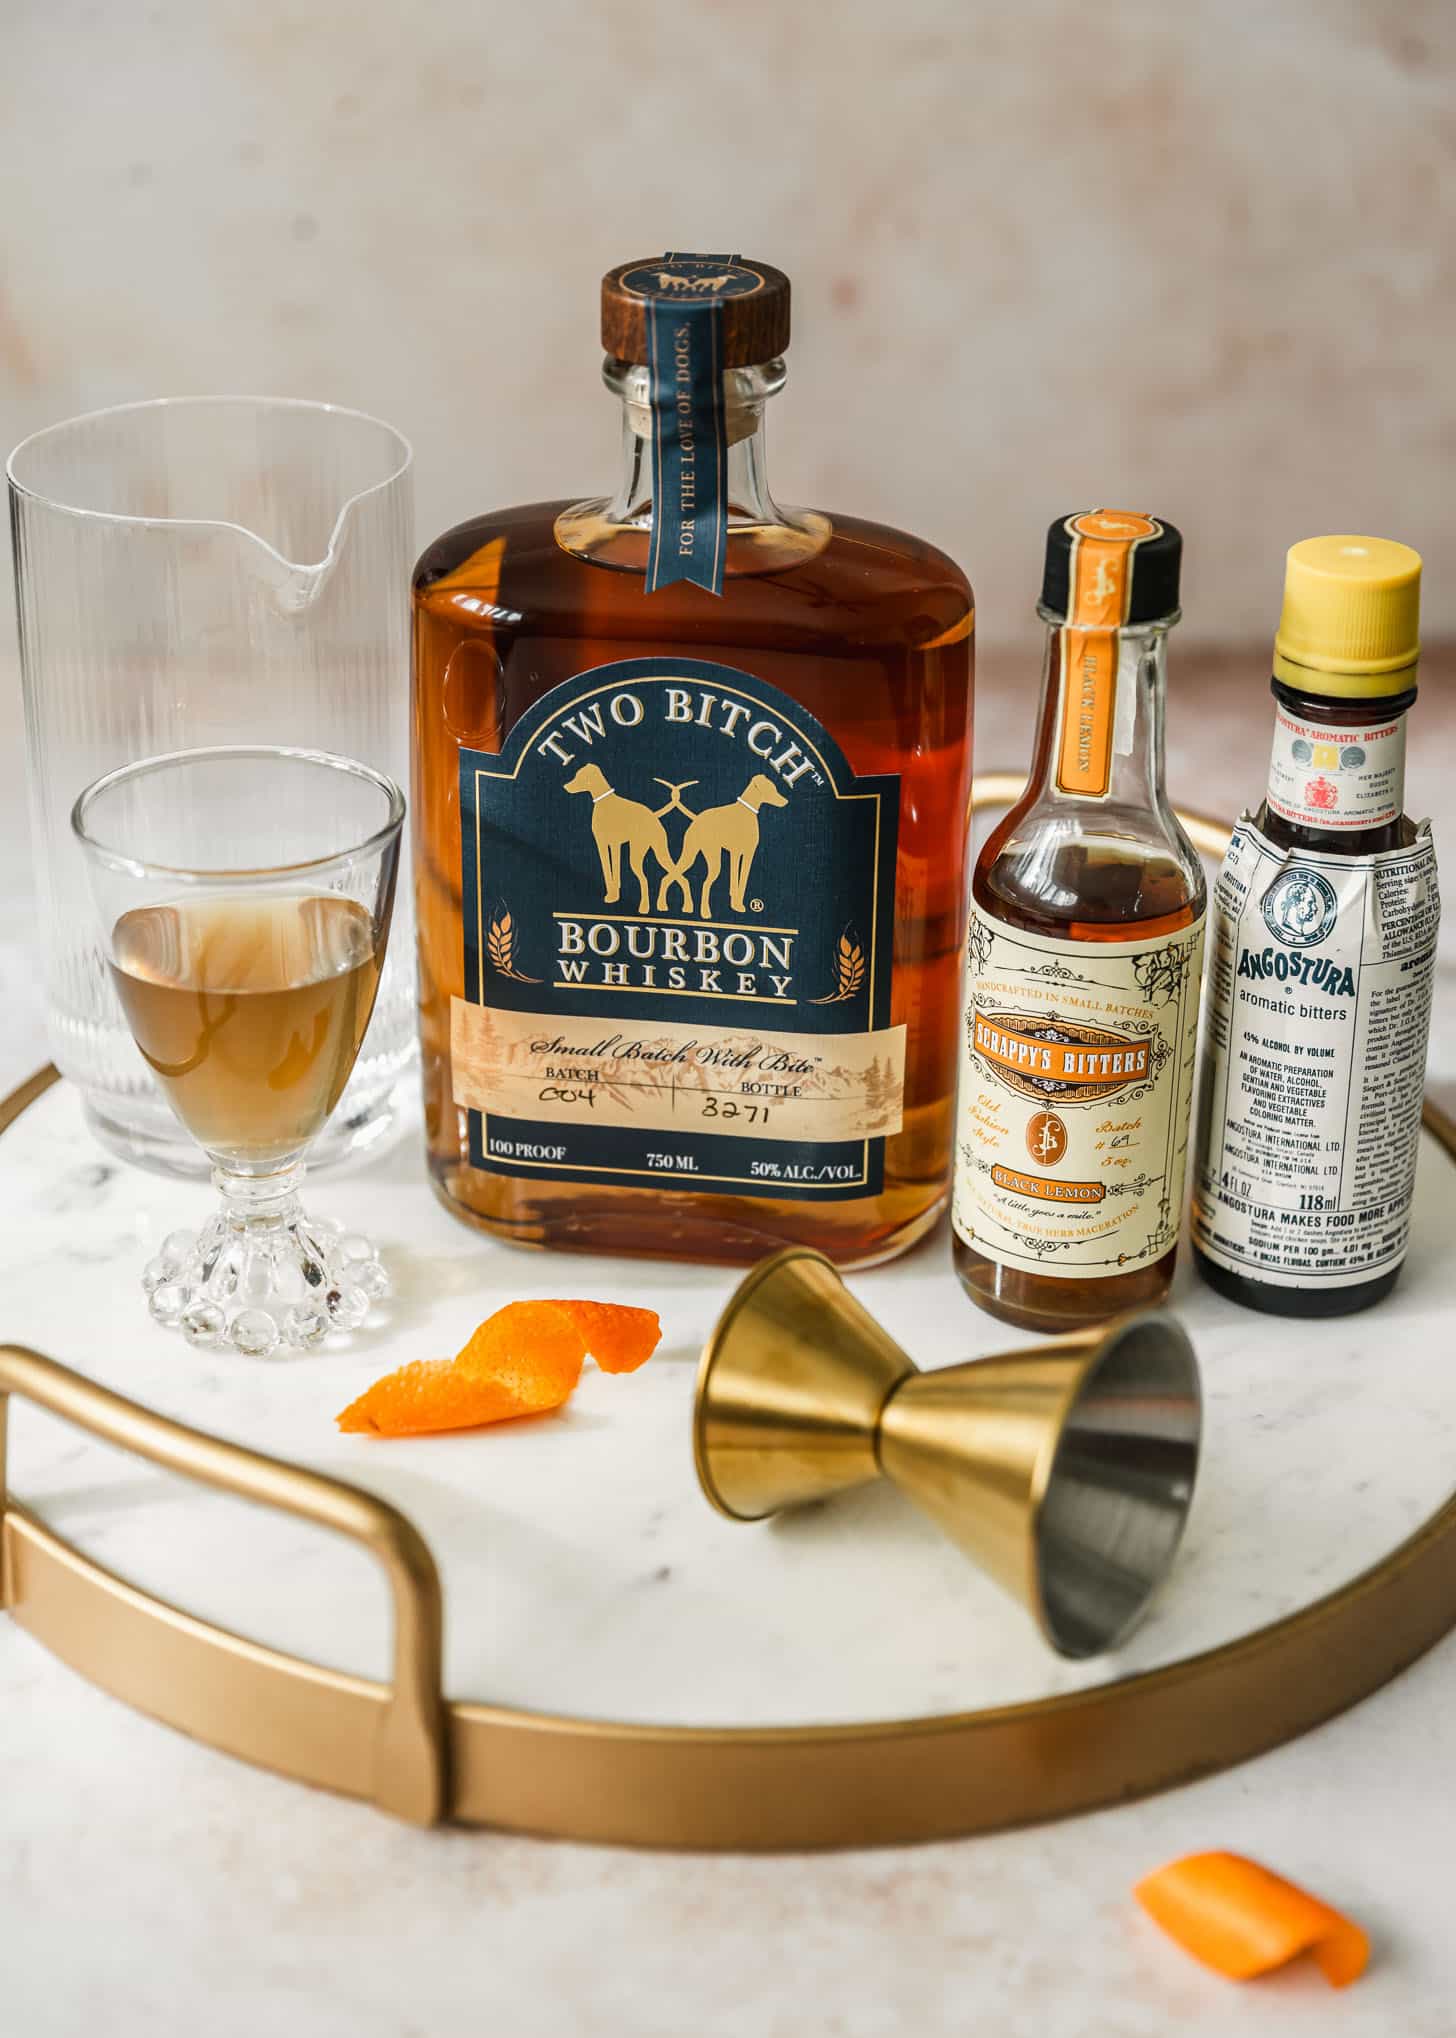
(1322,960)
(690,782)
(1086,938)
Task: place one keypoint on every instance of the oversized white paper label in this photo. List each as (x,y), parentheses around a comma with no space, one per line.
(1318,1012)
(1076,1082)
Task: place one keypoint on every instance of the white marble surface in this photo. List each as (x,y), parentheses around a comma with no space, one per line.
(149,1886)
(583,1572)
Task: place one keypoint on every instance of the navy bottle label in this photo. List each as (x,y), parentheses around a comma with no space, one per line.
(678,911)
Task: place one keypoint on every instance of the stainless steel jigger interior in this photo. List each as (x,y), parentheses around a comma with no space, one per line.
(1065,1469)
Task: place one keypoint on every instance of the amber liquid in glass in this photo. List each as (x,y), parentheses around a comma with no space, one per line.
(871,632)
(250,1011)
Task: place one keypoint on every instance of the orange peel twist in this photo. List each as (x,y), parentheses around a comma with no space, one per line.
(1243,1920)
(524,1360)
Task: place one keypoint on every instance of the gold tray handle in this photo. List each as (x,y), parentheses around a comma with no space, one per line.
(392,1741)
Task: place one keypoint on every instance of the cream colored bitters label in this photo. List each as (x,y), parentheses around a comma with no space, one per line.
(1076,1082)
(1309,1109)
(1337,775)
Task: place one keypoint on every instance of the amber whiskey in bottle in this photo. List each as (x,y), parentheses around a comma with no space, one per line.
(1321,960)
(1083,963)
(690,781)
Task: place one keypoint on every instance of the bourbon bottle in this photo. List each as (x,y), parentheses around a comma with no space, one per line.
(1322,960)
(690,779)
(1083,963)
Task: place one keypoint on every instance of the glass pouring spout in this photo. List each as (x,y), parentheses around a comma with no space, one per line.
(190,573)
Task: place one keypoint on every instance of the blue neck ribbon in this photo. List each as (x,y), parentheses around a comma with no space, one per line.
(689,436)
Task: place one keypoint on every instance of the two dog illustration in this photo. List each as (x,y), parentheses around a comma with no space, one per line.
(719,835)
(688,285)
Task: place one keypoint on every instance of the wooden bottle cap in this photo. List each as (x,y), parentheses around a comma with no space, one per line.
(753,296)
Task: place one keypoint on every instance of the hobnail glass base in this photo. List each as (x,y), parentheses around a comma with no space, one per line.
(264,1284)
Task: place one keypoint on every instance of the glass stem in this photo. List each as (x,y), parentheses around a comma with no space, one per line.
(263,1201)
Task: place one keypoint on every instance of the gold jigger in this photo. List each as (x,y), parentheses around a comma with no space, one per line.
(1065,1470)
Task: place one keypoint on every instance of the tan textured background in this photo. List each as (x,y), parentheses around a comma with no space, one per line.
(1196,258)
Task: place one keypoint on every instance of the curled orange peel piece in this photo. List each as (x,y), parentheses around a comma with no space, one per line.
(434,1394)
(619,1337)
(1243,1920)
(536,1348)
(524,1360)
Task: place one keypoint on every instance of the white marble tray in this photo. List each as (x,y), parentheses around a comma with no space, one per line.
(583,1573)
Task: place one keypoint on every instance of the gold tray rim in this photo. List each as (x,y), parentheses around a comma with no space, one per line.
(424,1758)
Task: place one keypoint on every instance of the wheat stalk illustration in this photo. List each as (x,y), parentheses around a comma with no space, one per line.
(849,971)
(500,945)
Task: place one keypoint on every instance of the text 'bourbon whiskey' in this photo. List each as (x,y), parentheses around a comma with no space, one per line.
(690,783)
(1083,963)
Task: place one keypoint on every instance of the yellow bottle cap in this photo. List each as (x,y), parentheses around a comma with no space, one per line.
(1351,618)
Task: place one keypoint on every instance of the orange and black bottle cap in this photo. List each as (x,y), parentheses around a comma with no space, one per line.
(1106,570)
(1110,569)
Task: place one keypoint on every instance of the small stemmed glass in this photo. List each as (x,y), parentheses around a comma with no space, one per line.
(245,897)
